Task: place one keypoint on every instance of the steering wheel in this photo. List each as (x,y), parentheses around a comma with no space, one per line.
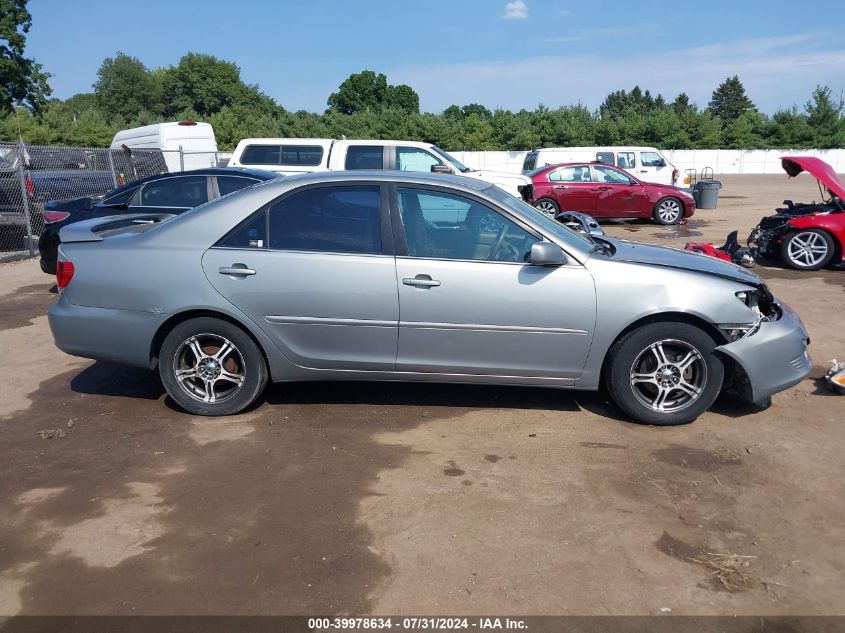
(497,242)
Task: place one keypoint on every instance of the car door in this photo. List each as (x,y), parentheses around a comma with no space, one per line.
(572,188)
(174,194)
(619,195)
(315,271)
(469,301)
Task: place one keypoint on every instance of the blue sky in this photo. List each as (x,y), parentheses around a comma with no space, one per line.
(502,54)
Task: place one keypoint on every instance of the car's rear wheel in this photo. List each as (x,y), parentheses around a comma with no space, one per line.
(808,249)
(664,373)
(547,207)
(668,211)
(211,367)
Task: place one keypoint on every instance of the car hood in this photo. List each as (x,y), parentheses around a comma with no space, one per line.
(824,173)
(498,176)
(665,257)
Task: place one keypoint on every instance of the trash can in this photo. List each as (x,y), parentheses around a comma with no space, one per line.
(706,193)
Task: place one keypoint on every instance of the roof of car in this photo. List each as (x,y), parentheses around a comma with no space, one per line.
(260,174)
(420,177)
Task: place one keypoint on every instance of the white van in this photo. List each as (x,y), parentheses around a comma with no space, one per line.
(290,156)
(644,163)
(196,140)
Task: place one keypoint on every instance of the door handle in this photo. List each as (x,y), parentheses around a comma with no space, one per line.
(559,187)
(236,270)
(604,188)
(421,281)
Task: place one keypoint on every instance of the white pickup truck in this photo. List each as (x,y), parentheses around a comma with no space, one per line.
(291,156)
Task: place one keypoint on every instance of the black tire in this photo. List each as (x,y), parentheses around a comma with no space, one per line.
(631,359)
(548,207)
(808,249)
(237,377)
(668,211)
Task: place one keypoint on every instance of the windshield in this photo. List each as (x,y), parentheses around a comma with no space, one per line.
(569,237)
(460,166)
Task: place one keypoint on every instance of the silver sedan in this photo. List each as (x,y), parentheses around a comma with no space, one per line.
(418,277)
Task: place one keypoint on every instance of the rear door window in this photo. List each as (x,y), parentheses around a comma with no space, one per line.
(625,160)
(364,157)
(250,234)
(183,192)
(570,174)
(342,219)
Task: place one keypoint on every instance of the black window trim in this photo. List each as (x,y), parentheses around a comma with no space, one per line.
(387,241)
(399,228)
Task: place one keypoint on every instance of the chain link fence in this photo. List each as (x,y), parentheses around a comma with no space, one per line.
(31,175)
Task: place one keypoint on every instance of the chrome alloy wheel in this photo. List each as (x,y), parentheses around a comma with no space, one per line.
(669,211)
(807,249)
(668,375)
(547,208)
(209,368)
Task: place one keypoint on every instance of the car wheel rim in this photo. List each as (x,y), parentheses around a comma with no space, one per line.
(669,211)
(668,376)
(209,368)
(807,249)
(546,207)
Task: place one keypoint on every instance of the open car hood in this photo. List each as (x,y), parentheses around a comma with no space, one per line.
(794,165)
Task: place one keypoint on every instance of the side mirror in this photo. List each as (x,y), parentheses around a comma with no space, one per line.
(441,169)
(547,254)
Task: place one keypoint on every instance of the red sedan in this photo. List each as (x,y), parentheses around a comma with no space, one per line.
(604,191)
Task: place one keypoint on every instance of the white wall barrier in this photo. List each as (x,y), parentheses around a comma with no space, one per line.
(722,161)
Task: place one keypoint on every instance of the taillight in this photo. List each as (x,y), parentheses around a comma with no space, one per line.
(54,216)
(30,187)
(64,273)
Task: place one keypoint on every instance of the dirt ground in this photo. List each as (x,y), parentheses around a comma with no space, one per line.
(397,499)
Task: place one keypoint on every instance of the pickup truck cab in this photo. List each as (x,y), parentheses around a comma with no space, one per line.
(291,156)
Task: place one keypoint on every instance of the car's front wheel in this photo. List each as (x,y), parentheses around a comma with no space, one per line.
(664,373)
(668,211)
(547,207)
(810,249)
(211,367)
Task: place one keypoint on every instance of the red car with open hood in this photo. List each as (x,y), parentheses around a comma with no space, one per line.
(808,236)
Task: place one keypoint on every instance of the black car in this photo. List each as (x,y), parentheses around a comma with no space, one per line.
(163,193)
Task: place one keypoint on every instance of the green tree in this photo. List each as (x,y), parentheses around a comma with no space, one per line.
(729,100)
(360,91)
(825,119)
(402,97)
(24,81)
(369,91)
(124,87)
(205,85)
(789,128)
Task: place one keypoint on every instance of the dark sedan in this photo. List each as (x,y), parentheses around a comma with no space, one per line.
(163,193)
(603,191)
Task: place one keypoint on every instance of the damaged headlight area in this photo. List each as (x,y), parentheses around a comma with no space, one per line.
(762,303)
(766,237)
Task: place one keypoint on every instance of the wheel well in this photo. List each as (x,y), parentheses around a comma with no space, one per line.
(166,327)
(663,317)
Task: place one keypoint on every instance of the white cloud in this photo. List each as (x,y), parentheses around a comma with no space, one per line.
(516,10)
(776,72)
(564,12)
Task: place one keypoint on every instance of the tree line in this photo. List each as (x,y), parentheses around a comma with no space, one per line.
(204,88)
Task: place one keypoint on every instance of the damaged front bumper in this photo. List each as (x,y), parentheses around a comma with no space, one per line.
(774,358)
(765,239)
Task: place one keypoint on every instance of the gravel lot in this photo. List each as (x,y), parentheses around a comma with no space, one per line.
(392,499)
